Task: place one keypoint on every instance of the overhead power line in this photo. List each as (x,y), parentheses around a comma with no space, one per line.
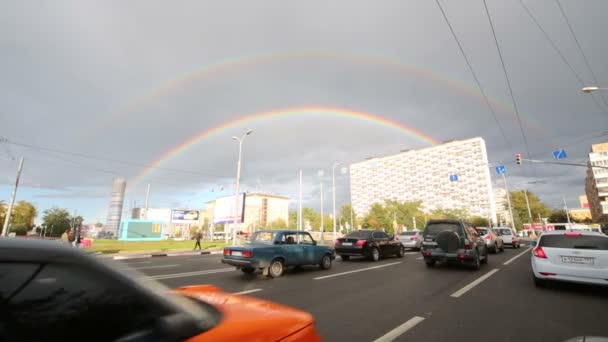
(559,52)
(580,49)
(504,69)
(466,59)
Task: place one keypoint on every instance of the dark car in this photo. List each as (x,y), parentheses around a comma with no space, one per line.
(372,244)
(453,241)
(274,250)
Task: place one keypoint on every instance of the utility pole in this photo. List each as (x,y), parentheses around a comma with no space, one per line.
(147,200)
(566,208)
(528,205)
(300,205)
(12,202)
(333,183)
(238,179)
(352,220)
(414,222)
(322,219)
(509,201)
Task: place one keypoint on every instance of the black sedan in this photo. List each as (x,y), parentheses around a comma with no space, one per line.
(372,244)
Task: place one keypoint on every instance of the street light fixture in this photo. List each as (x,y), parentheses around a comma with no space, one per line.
(592,89)
(238,178)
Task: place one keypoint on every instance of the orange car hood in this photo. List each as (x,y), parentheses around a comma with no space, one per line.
(246,318)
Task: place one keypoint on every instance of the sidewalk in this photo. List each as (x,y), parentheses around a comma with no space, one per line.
(156,253)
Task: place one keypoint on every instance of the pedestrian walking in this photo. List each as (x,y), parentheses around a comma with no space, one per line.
(198,237)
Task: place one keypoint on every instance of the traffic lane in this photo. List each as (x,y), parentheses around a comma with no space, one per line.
(366,305)
(507,304)
(156,266)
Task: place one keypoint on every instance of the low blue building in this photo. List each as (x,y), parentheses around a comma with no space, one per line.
(141,230)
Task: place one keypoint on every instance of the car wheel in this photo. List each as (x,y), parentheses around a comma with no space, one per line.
(276,268)
(494,249)
(401,252)
(430,263)
(325,262)
(345,257)
(374,254)
(248,270)
(502,248)
(485,260)
(476,263)
(539,282)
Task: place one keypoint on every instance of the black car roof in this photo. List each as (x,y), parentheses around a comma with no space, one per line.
(444,221)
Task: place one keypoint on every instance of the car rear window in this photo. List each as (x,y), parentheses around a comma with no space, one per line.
(359,234)
(482,231)
(503,231)
(407,233)
(578,242)
(436,228)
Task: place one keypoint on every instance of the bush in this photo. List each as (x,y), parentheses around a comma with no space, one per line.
(20,229)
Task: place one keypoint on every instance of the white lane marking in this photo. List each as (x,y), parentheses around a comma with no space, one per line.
(150,267)
(419,258)
(515,257)
(355,271)
(473,284)
(190,274)
(400,330)
(246,292)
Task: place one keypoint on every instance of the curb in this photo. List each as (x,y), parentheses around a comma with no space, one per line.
(156,255)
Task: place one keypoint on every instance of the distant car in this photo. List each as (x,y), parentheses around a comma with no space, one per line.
(372,244)
(454,241)
(410,239)
(272,251)
(579,257)
(494,242)
(508,235)
(51,292)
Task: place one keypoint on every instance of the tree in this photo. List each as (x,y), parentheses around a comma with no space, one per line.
(520,210)
(348,215)
(293,218)
(57,221)
(377,218)
(278,224)
(3,210)
(479,221)
(24,213)
(20,229)
(558,216)
(443,213)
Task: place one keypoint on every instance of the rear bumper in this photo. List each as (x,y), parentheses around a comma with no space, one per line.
(442,256)
(410,244)
(568,274)
(242,263)
(351,250)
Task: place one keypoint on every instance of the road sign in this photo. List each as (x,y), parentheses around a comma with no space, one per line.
(453,177)
(560,154)
(500,169)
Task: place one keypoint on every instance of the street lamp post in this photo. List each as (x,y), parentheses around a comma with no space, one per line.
(238,179)
(592,89)
(321,193)
(333,184)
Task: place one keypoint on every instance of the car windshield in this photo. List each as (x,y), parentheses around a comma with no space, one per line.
(408,233)
(503,231)
(359,234)
(581,241)
(262,237)
(435,228)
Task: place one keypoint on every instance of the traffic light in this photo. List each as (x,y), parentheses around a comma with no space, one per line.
(518,158)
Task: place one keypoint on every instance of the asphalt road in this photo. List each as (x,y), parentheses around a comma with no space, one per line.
(402,299)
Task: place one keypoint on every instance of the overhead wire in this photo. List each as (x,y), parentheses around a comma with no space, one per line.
(559,52)
(466,59)
(580,49)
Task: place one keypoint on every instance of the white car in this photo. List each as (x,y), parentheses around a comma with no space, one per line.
(579,257)
(410,239)
(509,236)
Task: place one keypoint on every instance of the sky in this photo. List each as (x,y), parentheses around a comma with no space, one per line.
(94,90)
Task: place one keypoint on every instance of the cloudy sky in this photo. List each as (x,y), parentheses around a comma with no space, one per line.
(91,90)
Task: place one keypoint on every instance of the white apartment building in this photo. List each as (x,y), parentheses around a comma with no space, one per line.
(453,175)
(260,211)
(596,183)
(502,206)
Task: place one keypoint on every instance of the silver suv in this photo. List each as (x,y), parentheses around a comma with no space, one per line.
(453,241)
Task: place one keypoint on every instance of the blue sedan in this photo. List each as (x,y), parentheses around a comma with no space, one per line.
(274,250)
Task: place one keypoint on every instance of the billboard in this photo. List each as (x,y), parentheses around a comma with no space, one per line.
(185,216)
(223,211)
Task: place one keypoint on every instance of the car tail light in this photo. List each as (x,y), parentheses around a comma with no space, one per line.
(467,247)
(488,237)
(414,238)
(337,243)
(572,234)
(428,254)
(361,243)
(226,251)
(540,253)
(247,254)
(547,273)
(460,256)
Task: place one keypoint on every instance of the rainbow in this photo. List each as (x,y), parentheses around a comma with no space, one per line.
(288,112)
(392,65)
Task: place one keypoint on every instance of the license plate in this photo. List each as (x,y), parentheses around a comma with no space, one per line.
(237,253)
(347,243)
(577,260)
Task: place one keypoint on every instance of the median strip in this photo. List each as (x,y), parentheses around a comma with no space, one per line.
(515,257)
(355,271)
(473,284)
(400,330)
(190,274)
(248,291)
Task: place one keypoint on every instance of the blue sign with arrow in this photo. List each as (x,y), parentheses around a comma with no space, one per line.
(560,154)
(500,169)
(453,177)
